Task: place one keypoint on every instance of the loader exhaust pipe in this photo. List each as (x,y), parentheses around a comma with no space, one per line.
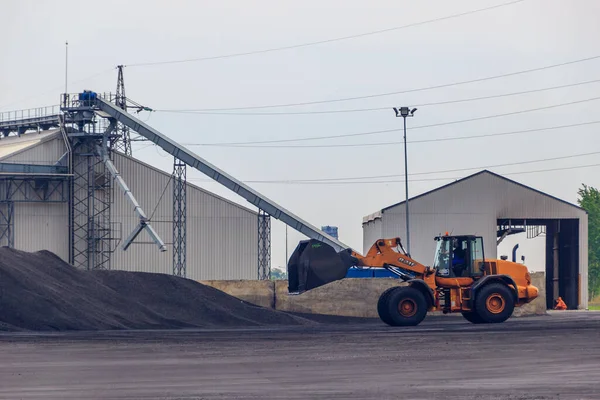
(314,263)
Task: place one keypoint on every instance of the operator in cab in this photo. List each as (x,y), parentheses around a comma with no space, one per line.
(459,262)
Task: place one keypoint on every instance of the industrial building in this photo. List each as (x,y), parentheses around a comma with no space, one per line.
(492,206)
(35,214)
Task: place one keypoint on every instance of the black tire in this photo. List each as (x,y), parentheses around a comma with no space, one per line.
(382,308)
(494,303)
(473,317)
(406,306)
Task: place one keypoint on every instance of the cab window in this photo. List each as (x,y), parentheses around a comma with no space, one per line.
(443,256)
(477,257)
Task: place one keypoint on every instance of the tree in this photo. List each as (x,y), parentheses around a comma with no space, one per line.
(589,200)
(278,274)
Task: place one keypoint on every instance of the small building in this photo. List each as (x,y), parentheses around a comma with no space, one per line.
(492,206)
(222,236)
(331,231)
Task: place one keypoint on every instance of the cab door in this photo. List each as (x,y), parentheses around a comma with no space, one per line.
(476,259)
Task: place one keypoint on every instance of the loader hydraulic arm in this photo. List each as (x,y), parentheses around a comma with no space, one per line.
(315,263)
(390,254)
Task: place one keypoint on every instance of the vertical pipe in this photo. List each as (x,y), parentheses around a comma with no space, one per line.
(514,253)
(406,187)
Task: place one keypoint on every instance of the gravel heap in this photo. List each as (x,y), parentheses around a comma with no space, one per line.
(39,291)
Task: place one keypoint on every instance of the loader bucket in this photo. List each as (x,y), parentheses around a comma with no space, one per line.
(314,264)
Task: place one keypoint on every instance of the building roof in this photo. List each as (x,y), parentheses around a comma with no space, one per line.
(379,213)
(12,145)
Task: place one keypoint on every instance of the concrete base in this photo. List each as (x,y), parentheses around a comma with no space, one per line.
(261,293)
(350,297)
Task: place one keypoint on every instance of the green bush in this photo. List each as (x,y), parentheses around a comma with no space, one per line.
(589,200)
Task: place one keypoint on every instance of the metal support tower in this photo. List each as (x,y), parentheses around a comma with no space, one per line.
(179,217)
(91,241)
(91,234)
(264,245)
(91,137)
(122,142)
(7,235)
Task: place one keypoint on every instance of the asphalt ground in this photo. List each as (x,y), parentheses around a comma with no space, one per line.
(547,357)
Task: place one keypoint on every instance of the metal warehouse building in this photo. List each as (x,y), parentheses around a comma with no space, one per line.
(493,206)
(34,213)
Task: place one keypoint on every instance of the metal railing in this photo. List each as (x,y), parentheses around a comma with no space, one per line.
(31,119)
(29,114)
(85,99)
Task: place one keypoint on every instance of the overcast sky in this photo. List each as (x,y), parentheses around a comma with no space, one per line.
(525,35)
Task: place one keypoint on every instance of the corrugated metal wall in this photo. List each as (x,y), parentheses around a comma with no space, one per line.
(42,226)
(221,235)
(473,206)
(372,231)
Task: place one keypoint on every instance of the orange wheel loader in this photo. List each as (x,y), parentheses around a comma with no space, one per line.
(461,279)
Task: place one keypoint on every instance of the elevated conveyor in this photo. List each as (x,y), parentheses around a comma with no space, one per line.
(21,121)
(105,108)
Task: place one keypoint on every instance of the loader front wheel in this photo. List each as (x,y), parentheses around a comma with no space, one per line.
(494,303)
(382,306)
(406,306)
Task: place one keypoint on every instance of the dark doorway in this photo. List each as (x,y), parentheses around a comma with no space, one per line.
(562,255)
(562,262)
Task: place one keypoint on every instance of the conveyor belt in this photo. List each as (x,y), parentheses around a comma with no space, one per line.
(231,183)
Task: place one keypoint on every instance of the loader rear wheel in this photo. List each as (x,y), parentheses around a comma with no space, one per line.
(473,317)
(382,308)
(406,306)
(494,303)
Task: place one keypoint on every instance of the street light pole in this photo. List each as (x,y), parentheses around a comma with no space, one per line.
(406,191)
(406,112)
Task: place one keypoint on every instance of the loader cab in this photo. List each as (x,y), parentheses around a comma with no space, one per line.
(459,256)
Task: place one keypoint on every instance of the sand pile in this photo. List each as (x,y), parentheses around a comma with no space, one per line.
(39,291)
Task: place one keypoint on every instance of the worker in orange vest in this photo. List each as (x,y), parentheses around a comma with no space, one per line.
(560,304)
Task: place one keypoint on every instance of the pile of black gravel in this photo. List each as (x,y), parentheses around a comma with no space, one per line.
(39,291)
